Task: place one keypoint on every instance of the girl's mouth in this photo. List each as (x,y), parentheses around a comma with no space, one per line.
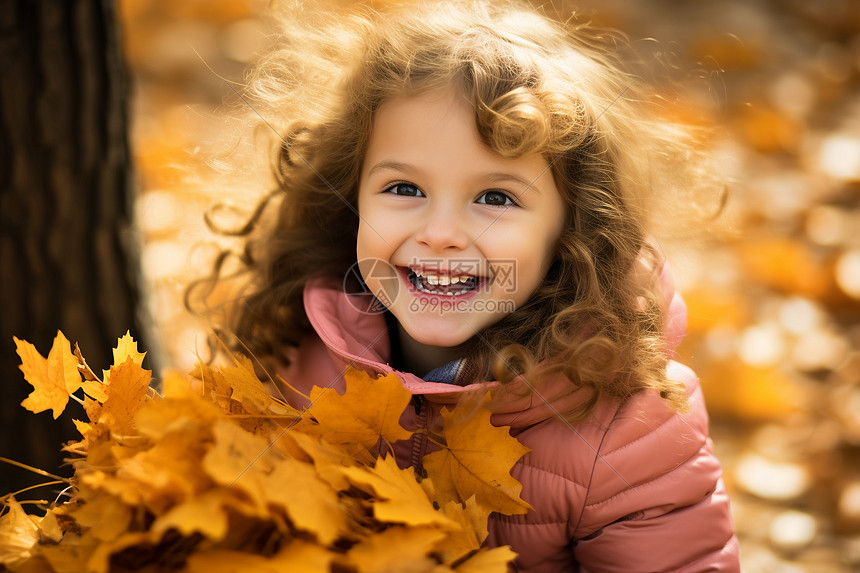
(443,285)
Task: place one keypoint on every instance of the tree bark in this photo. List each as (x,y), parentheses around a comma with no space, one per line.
(67,252)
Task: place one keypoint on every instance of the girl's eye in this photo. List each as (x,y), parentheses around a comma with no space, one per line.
(497,199)
(404,189)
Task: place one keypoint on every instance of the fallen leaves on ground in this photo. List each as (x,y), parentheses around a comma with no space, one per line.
(215,474)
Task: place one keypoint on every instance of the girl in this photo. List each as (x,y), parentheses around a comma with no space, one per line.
(489,177)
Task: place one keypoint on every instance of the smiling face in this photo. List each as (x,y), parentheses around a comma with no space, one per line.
(470,233)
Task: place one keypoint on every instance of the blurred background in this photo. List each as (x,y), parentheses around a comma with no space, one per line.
(774,298)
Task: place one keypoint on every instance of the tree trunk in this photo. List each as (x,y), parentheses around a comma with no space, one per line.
(67,253)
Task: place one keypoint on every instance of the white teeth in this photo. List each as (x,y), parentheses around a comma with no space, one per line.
(443,279)
(423,281)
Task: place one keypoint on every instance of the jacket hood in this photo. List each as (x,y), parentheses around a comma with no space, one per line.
(360,338)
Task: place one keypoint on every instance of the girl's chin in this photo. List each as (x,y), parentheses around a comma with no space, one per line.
(440,341)
(438,337)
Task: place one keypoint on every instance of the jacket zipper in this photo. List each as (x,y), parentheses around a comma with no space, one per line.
(419,438)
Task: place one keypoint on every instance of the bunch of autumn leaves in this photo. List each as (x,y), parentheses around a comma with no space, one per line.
(215,475)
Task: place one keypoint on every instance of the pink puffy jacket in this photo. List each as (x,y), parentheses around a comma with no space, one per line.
(635,488)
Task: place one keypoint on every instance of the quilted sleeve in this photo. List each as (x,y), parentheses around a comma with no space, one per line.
(696,538)
(656,500)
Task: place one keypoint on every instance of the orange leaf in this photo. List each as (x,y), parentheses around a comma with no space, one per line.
(205,459)
(103,517)
(73,554)
(251,393)
(401,499)
(472,518)
(53,379)
(95,390)
(476,461)
(99,560)
(83,427)
(396,550)
(302,556)
(493,560)
(228,561)
(181,411)
(215,387)
(203,514)
(238,460)
(296,556)
(126,393)
(126,347)
(169,472)
(93,408)
(243,461)
(367,413)
(311,503)
(96,483)
(329,459)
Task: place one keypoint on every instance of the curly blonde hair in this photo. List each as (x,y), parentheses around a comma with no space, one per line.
(537,85)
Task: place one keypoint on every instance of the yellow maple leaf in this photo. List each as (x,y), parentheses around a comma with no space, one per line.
(238,459)
(99,560)
(228,561)
(328,459)
(248,390)
(203,514)
(98,455)
(167,473)
(177,385)
(244,461)
(311,503)
(215,388)
(53,378)
(18,534)
(493,560)
(476,460)
(95,390)
(299,556)
(472,518)
(181,411)
(126,393)
(398,496)
(103,517)
(368,413)
(302,556)
(216,458)
(96,483)
(73,554)
(126,347)
(93,408)
(83,427)
(396,550)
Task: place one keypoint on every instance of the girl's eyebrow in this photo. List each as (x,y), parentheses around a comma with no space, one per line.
(495,177)
(502,177)
(390,166)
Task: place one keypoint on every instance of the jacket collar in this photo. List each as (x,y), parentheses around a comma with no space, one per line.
(360,338)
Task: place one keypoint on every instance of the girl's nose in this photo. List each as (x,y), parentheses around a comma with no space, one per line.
(443,231)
